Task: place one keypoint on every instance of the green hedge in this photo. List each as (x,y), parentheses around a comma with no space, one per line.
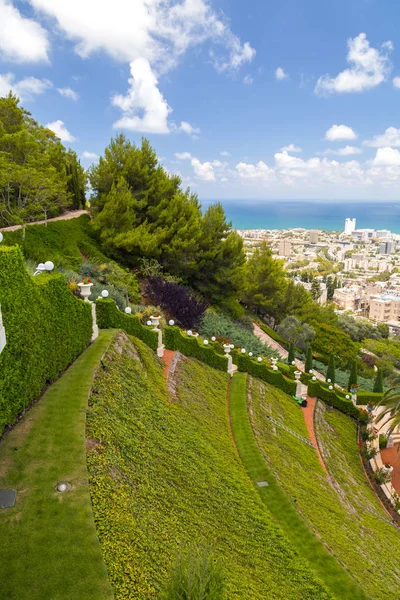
(372,398)
(108,316)
(333,398)
(190,346)
(46,329)
(275,378)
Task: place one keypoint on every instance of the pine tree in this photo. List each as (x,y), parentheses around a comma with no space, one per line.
(378,385)
(353,376)
(291,355)
(330,374)
(309,360)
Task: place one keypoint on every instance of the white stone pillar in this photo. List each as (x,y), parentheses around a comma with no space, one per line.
(95,328)
(299,385)
(160,345)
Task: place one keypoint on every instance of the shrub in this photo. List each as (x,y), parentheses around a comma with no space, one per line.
(296,332)
(291,354)
(190,346)
(178,300)
(332,340)
(368,397)
(195,577)
(331,397)
(382,476)
(330,374)
(353,376)
(383,440)
(378,384)
(108,316)
(309,360)
(222,326)
(275,378)
(46,329)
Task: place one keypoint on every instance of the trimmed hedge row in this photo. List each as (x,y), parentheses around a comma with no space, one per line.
(189,346)
(46,329)
(108,316)
(331,397)
(372,398)
(275,378)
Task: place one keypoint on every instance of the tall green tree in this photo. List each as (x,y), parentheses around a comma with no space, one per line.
(291,354)
(309,360)
(378,384)
(353,378)
(330,373)
(263,283)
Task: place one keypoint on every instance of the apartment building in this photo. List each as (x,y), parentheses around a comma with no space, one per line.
(384,309)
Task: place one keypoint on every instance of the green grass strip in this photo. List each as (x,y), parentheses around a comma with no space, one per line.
(339,581)
(49,547)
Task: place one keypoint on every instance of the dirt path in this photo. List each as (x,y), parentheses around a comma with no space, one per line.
(308,413)
(73,214)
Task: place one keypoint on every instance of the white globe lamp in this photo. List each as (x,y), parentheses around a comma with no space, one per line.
(128,310)
(105,294)
(171,322)
(48,265)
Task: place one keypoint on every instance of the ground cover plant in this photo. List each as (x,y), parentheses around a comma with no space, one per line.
(49,545)
(343,511)
(165,475)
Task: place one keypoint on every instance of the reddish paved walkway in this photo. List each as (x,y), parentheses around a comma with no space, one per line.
(73,214)
(392,456)
(167,358)
(308,413)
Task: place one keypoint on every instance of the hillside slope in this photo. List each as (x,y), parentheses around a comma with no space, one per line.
(165,476)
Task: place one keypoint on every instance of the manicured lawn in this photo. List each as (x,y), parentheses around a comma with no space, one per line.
(165,477)
(49,549)
(338,508)
(338,581)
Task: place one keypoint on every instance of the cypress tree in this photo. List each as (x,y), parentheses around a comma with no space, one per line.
(330,374)
(353,375)
(309,360)
(291,355)
(378,385)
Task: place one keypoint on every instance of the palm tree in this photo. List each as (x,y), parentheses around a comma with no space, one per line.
(391,402)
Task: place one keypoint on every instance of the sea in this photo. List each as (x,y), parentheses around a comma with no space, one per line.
(329,216)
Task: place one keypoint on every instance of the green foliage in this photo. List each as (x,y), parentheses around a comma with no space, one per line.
(220,325)
(291,354)
(309,360)
(190,346)
(165,476)
(260,370)
(359,329)
(272,334)
(108,316)
(333,397)
(391,406)
(364,397)
(263,282)
(142,212)
(386,349)
(46,329)
(330,374)
(341,514)
(296,332)
(353,377)
(332,340)
(378,384)
(383,330)
(195,577)
(34,182)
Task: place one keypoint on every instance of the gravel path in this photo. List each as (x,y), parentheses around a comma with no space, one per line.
(73,214)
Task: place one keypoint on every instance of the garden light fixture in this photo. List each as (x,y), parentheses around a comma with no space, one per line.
(63,486)
(171,322)
(128,310)
(104,293)
(205,342)
(149,323)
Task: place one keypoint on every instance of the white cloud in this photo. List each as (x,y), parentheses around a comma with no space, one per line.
(389,157)
(205,170)
(61,131)
(368,68)
(224,153)
(68,93)
(160,32)
(396,82)
(391,137)
(280,74)
(292,148)
(21,39)
(340,132)
(248,80)
(346,151)
(142,97)
(25,88)
(188,128)
(89,155)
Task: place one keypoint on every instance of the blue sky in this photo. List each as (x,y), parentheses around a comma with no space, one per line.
(260,99)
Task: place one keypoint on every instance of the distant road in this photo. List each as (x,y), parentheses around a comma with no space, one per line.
(73,214)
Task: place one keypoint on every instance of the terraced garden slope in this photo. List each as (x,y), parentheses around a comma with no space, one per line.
(341,509)
(49,548)
(165,475)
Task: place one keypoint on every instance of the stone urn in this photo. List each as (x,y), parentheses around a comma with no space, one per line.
(297,375)
(274,360)
(388,469)
(155,320)
(86,290)
(227,348)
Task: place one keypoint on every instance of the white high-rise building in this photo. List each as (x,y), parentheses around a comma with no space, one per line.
(349,226)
